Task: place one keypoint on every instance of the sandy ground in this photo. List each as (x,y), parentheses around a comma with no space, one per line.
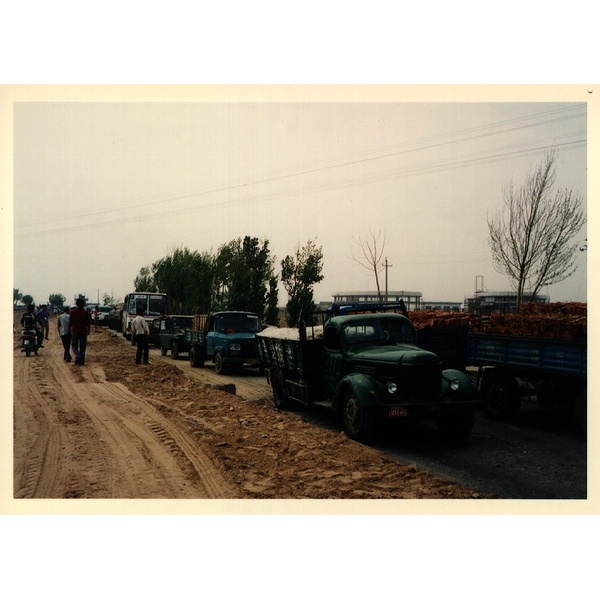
(111,429)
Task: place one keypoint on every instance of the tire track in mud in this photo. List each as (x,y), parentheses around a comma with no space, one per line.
(96,439)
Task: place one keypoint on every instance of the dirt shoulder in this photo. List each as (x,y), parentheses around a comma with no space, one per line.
(112,429)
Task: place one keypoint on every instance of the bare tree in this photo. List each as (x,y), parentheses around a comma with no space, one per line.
(371,251)
(531,237)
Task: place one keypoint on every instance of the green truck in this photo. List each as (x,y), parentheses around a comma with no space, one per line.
(169,331)
(227,338)
(366,367)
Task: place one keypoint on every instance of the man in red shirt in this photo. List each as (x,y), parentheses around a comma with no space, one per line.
(80,328)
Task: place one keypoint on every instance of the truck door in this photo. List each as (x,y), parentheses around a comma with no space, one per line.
(332,361)
(210,336)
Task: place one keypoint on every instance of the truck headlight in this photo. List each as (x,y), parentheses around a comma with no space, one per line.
(235,347)
(392,388)
(455,385)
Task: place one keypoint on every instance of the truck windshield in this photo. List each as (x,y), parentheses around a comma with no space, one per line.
(384,331)
(237,323)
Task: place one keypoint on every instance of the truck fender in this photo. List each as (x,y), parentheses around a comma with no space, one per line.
(466,390)
(366,390)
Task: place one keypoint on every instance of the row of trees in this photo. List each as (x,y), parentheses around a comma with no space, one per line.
(241,275)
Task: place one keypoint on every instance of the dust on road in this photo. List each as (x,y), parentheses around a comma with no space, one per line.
(113,429)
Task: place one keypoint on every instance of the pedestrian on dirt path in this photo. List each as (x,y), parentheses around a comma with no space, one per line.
(140,332)
(64,330)
(80,322)
(95,315)
(44,319)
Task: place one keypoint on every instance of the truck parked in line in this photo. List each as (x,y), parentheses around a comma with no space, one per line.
(227,338)
(170,331)
(366,367)
(537,356)
(154,305)
(553,373)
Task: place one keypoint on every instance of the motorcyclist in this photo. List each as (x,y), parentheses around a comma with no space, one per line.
(29,322)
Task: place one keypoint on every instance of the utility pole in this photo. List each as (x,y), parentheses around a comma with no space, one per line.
(387,266)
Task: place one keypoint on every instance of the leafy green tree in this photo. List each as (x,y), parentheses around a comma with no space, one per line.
(27,299)
(16,296)
(244,282)
(144,282)
(108,300)
(299,273)
(272,310)
(188,280)
(56,299)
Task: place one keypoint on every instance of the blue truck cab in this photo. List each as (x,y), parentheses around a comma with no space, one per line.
(227,338)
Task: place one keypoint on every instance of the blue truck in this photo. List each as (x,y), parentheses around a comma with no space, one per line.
(227,338)
(549,372)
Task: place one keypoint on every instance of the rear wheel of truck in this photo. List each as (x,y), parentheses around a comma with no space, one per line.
(281,399)
(501,397)
(360,423)
(175,351)
(163,351)
(455,427)
(28,351)
(196,359)
(219,366)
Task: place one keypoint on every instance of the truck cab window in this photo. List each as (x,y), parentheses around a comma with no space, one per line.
(332,339)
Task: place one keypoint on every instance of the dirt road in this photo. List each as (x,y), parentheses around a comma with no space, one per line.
(111,429)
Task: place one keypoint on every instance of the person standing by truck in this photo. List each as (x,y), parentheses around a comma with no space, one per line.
(44,319)
(64,330)
(80,321)
(140,332)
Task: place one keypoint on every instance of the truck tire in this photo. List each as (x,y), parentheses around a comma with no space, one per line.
(174,350)
(28,351)
(163,351)
(281,399)
(219,366)
(501,397)
(196,358)
(360,423)
(455,427)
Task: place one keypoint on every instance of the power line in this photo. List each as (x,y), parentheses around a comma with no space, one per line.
(461,136)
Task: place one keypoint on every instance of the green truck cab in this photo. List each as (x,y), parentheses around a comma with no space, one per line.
(227,338)
(171,334)
(366,367)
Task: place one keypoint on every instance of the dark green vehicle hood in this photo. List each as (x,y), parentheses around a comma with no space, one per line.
(404,354)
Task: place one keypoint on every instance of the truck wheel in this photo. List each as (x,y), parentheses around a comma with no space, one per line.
(501,397)
(163,351)
(28,351)
(281,400)
(219,366)
(196,359)
(360,423)
(455,427)
(175,351)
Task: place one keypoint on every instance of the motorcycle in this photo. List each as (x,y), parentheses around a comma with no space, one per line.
(29,341)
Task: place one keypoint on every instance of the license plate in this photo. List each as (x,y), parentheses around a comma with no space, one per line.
(252,362)
(398,411)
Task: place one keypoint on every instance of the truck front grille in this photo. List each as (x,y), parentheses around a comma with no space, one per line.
(420,383)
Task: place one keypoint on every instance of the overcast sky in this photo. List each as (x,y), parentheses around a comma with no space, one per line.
(105,185)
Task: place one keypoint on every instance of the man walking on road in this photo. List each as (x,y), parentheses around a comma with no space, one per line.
(64,331)
(140,332)
(80,329)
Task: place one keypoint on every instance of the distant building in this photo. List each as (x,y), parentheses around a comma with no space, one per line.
(443,306)
(412,300)
(486,302)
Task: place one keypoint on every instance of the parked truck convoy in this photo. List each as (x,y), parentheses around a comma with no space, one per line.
(227,338)
(365,366)
(517,358)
